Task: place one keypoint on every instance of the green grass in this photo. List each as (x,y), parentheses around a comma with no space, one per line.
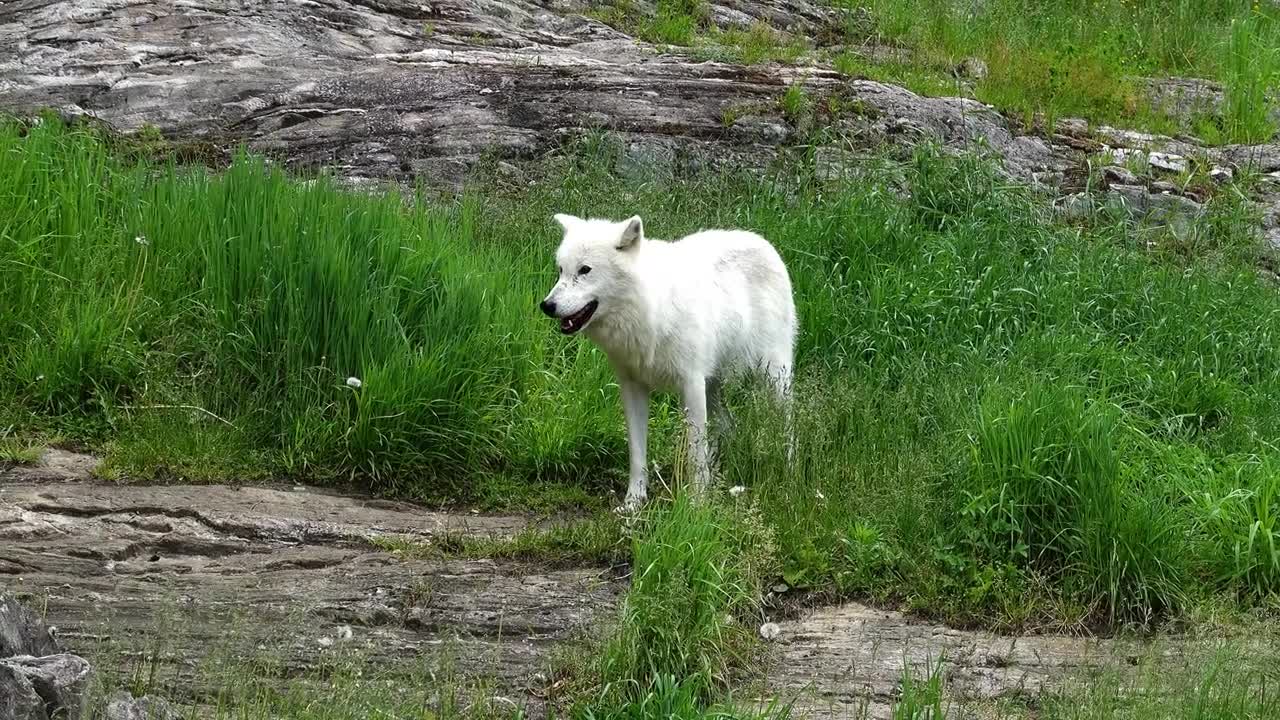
(1081,58)
(1251,75)
(671,22)
(687,24)
(795,102)
(917,77)
(691,613)
(1044,61)
(1005,420)
(15,451)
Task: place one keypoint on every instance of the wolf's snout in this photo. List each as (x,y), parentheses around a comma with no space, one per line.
(548,307)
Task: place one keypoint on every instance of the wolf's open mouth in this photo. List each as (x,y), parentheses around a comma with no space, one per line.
(575,322)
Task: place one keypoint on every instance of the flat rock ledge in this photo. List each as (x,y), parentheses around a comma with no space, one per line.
(849,661)
(192,575)
(180,574)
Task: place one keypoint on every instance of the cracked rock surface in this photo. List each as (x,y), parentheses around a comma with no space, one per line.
(38,681)
(190,575)
(203,570)
(848,661)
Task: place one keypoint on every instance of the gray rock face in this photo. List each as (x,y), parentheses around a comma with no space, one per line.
(215,571)
(1119,175)
(54,466)
(59,680)
(124,706)
(18,699)
(1161,207)
(21,632)
(849,660)
(397,89)
(37,680)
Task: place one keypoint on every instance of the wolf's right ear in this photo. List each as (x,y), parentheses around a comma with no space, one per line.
(567,221)
(632,233)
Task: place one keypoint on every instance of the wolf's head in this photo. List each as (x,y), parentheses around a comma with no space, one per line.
(594,261)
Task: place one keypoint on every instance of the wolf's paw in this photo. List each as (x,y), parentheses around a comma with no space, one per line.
(630,505)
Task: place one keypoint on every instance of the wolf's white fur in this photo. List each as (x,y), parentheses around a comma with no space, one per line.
(682,316)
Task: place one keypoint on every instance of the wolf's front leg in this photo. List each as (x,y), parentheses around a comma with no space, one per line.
(695,409)
(635,405)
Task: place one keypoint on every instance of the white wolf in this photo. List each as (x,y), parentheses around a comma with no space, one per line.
(683,316)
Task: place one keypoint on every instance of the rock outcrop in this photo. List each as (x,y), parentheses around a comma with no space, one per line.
(183,574)
(37,680)
(851,660)
(408,91)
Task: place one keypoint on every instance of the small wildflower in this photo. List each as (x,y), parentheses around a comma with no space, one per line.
(770,630)
(141,240)
(737,490)
(818,494)
(354,382)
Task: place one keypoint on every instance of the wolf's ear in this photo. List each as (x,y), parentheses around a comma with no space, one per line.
(632,233)
(567,221)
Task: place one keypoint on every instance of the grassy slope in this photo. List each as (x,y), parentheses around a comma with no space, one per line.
(1004,419)
(1001,415)
(1077,58)
(1081,57)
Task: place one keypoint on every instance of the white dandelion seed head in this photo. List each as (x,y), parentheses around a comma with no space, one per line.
(737,490)
(345,632)
(770,630)
(141,240)
(325,641)
(354,382)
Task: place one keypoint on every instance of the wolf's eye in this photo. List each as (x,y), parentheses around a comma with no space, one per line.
(584,269)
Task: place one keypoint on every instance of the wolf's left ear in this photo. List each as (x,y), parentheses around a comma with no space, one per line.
(566,221)
(632,233)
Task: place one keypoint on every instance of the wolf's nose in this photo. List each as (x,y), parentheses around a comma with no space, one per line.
(548,307)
